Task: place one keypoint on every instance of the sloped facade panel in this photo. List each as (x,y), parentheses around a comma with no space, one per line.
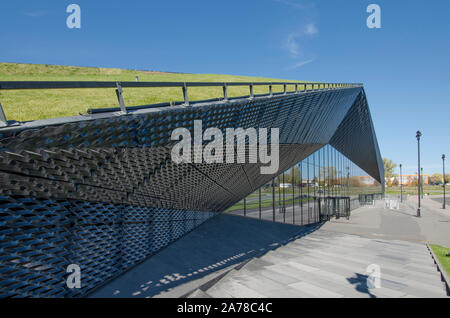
(103,192)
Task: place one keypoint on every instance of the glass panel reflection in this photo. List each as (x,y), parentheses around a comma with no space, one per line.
(326,184)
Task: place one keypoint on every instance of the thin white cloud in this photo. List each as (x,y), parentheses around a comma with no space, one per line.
(292,41)
(292,44)
(296,5)
(311,29)
(299,64)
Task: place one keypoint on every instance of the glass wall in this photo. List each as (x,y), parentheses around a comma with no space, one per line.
(326,184)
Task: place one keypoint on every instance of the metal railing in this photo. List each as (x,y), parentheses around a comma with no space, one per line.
(299,87)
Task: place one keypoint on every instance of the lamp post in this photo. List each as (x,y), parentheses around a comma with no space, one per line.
(421,182)
(418,135)
(401,184)
(443,177)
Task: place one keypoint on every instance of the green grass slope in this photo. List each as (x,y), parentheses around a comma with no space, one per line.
(23,105)
(441,253)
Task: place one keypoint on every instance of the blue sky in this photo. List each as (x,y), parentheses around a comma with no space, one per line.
(405,65)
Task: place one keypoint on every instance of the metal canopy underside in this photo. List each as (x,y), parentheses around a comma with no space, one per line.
(102,191)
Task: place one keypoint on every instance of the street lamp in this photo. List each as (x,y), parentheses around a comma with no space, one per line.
(443,177)
(401,184)
(418,135)
(421,182)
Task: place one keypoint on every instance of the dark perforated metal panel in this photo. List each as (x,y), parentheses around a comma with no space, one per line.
(103,193)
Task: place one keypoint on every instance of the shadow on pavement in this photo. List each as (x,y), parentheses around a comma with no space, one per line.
(217,244)
(360,282)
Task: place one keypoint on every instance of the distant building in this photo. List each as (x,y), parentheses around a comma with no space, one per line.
(366,181)
(308,183)
(410,179)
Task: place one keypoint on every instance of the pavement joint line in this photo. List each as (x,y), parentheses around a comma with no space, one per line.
(303,232)
(444,275)
(418,242)
(393,288)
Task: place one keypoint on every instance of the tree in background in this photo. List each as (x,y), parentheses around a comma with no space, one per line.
(395,182)
(389,168)
(389,182)
(328,175)
(293,175)
(447,178)
(436,178)
(355,181)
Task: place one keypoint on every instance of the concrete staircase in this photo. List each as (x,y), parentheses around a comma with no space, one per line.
(330,265)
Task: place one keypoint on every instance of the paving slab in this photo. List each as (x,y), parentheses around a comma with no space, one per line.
(232,288)
(318,268)
(315,291)
(328,260)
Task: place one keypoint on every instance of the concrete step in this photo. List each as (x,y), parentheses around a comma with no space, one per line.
(198,293)
(231,288)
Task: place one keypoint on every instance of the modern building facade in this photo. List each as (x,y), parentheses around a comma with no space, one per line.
(325,184)
(102,192)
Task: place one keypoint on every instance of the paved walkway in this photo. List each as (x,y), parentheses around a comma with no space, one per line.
(376,222)
(333,261)
(232,256)
(215,247)
(330,264)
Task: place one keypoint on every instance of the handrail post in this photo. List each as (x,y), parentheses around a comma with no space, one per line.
(225,92)
(3,121)
(270,90)
(120,97)
(284,89)
(185,95)
(252,95)
(296,88)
